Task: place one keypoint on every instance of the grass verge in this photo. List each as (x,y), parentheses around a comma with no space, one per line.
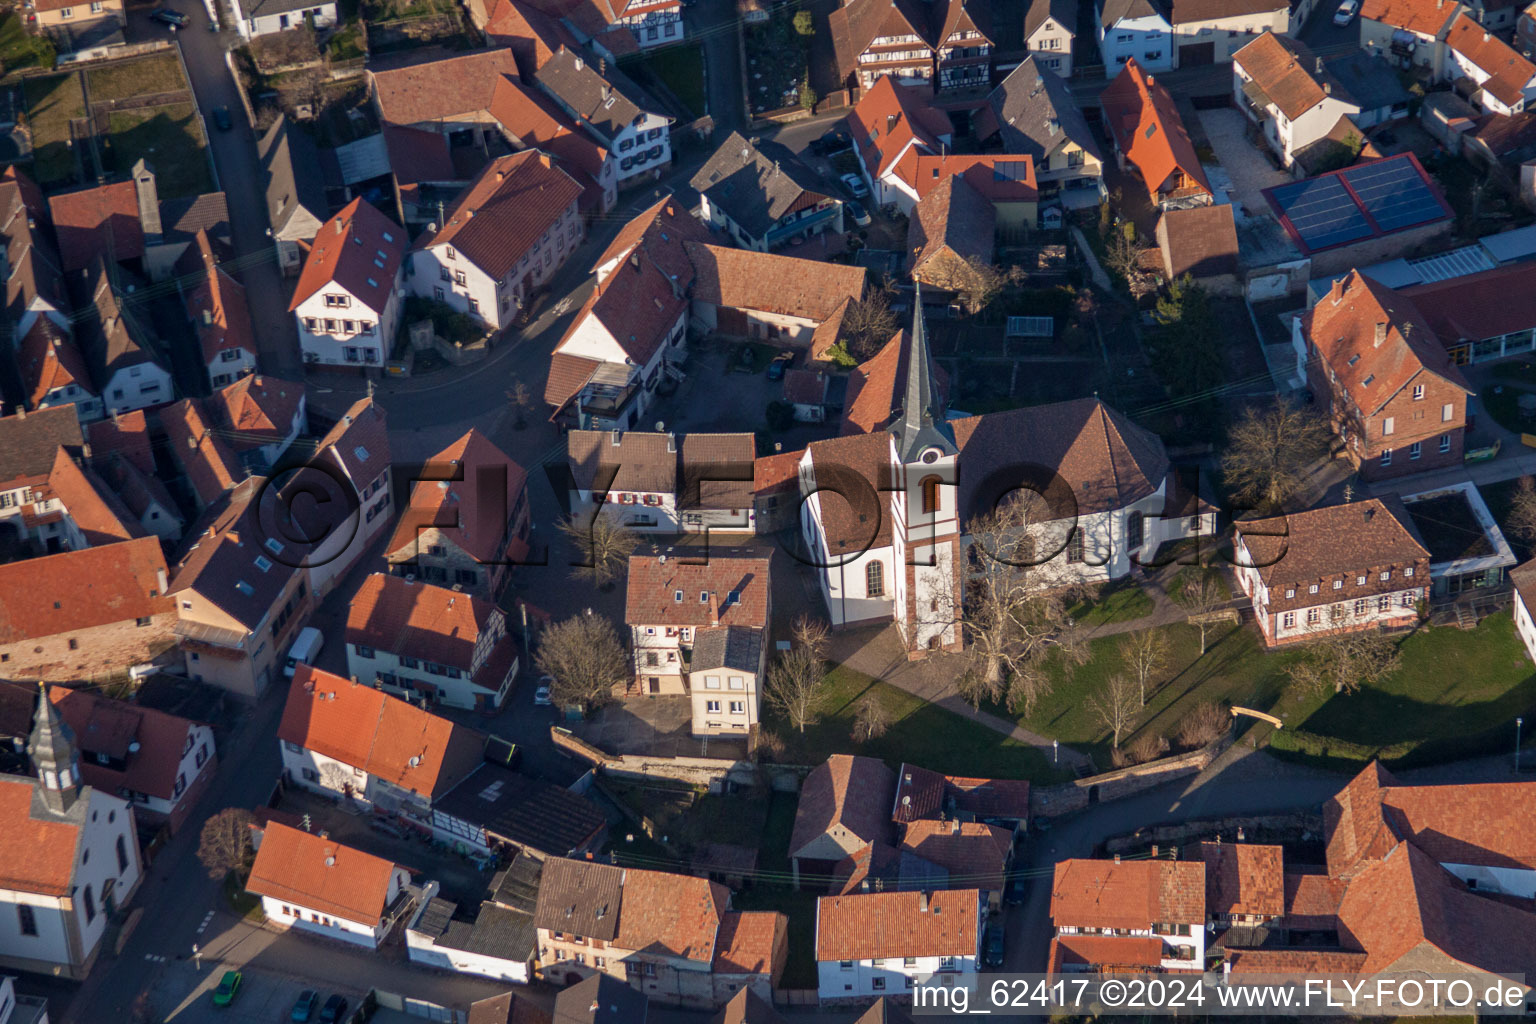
(142,76)
(241,902)
(52,102)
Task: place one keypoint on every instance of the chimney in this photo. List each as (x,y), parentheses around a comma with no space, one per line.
(162,584)
(714,608)
(1381,334)
(1327,88)
(954,827)
(1240,835)
(617,437)
(922,903)
(1319,65)
(149,199)
(1154,851)
(672,444)
(21,412)
(1117,858)
(1336,293)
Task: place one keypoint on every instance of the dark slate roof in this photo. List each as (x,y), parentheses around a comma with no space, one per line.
(523,810)
(1028,103)
(517,887)
(572,79)
(29,443)
(294,178)
(181,219)
(756,183)
(614,1002)
(495,932)
(1366,79)
(736,647)
(1064,11)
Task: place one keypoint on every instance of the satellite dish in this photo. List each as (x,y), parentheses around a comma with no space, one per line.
(330,862)
(133,748)
(660,426)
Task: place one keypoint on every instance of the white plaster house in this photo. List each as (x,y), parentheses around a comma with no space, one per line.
(498,944)
(654,22)
(1211,33)
(870,498)
(506,235)
(1409,34)
(657,483)
(616,111)
(319,886)
(418,640)
(1133,28)
(347,300)
(1152,910)
(1050,26)
(1296,104)
(1505,81)
(1524,578)
(881,944)
(263,17)
(71,854)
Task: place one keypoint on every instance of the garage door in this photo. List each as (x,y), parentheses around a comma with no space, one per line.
(733,321)
(1196,54)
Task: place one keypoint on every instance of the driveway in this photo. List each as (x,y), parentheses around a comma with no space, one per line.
(1247,167)
(713,24)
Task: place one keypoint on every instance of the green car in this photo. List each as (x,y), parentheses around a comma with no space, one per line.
(228,986)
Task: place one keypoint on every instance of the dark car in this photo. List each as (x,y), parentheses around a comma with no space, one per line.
(1017,889)
(834,141)
(221,119)
(779,365)
(166,16)
(333,1011)
(304,1006)
(994,945)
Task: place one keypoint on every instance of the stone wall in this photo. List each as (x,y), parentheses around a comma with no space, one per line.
(1054,801)
(1227,828)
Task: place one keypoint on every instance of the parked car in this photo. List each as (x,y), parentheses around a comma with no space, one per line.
(166,16)
(1017,890)
(779,365)
(334,1010)
(306,647)
(229,986)
(541,693)
(994,945)
(855,184)
(834,141)
(221,119)
(857,212)
(304,1006)
(1346,12)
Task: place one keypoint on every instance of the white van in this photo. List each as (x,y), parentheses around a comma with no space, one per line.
(305,649)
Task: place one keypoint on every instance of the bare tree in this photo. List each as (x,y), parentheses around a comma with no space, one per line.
(605,544)
(1201,595)
(871,721)
(1521,519)
(796,686)
(1205,724)
(521,400)
(584,657)
(1146,653)
(1338,659)
(869,324)
(225,842)
(1115,706)
(1014,610)
(811,633)
(983,283)
(1270,451)
(1123,255)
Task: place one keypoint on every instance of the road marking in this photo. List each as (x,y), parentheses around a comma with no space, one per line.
(206,918)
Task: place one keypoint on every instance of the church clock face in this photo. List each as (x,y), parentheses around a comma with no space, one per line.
(930,456)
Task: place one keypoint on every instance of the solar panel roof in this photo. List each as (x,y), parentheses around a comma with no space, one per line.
(1363,201)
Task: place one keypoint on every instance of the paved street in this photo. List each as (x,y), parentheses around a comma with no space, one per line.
(712,23)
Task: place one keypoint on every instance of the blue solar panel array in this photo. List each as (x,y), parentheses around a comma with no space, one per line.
(1324,213)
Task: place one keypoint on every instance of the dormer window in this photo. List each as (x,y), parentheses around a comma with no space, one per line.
(703,597)
(677,596)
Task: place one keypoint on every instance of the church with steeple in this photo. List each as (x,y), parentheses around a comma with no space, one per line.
(69,857)
(884,508)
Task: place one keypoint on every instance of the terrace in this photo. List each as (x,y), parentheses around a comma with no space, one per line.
(1467,552)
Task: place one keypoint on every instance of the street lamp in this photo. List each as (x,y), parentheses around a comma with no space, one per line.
(1518,723)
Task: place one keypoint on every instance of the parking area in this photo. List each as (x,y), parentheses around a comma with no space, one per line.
(655,725)
(183,994)
(1247,167)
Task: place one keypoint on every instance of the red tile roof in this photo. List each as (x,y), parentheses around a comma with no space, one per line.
(654,583)
(417,620)
(852,474)
(1508,72)
(741,279)
(1244,878)
(48,359)
(876,387)
(1296,961)
(1201,241)
(1333,542)
(848,791)
(258,409)
(747,941)
(1147,128)
(1343,326)
(151,742)
(1105,954)
(388,738)
(1129,894)
(97,512)
(1312,901)
(98,221)
(953,218)
(1275,68)
(568,374)
(972,853)
(1478,306)
(891,924)
(211,467)
(532,34)
(348,250)
(440,90)
(91,587)
(472,511)
(890,117)
(777,472)
(511,204)
(1426,17)
(921,793)
(998,177)
(218,309)
(300,868)
(36,856)
(126,433)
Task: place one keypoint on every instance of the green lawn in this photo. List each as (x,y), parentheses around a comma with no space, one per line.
(20,49)
(1235,669)
(141,76)
(1114,602)
(170,138)
(920,732)
(1188,573)
(681,69)
(52,102)
(1456,695)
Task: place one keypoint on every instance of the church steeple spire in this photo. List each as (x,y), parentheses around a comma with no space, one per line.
(922,424)
(52,749)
